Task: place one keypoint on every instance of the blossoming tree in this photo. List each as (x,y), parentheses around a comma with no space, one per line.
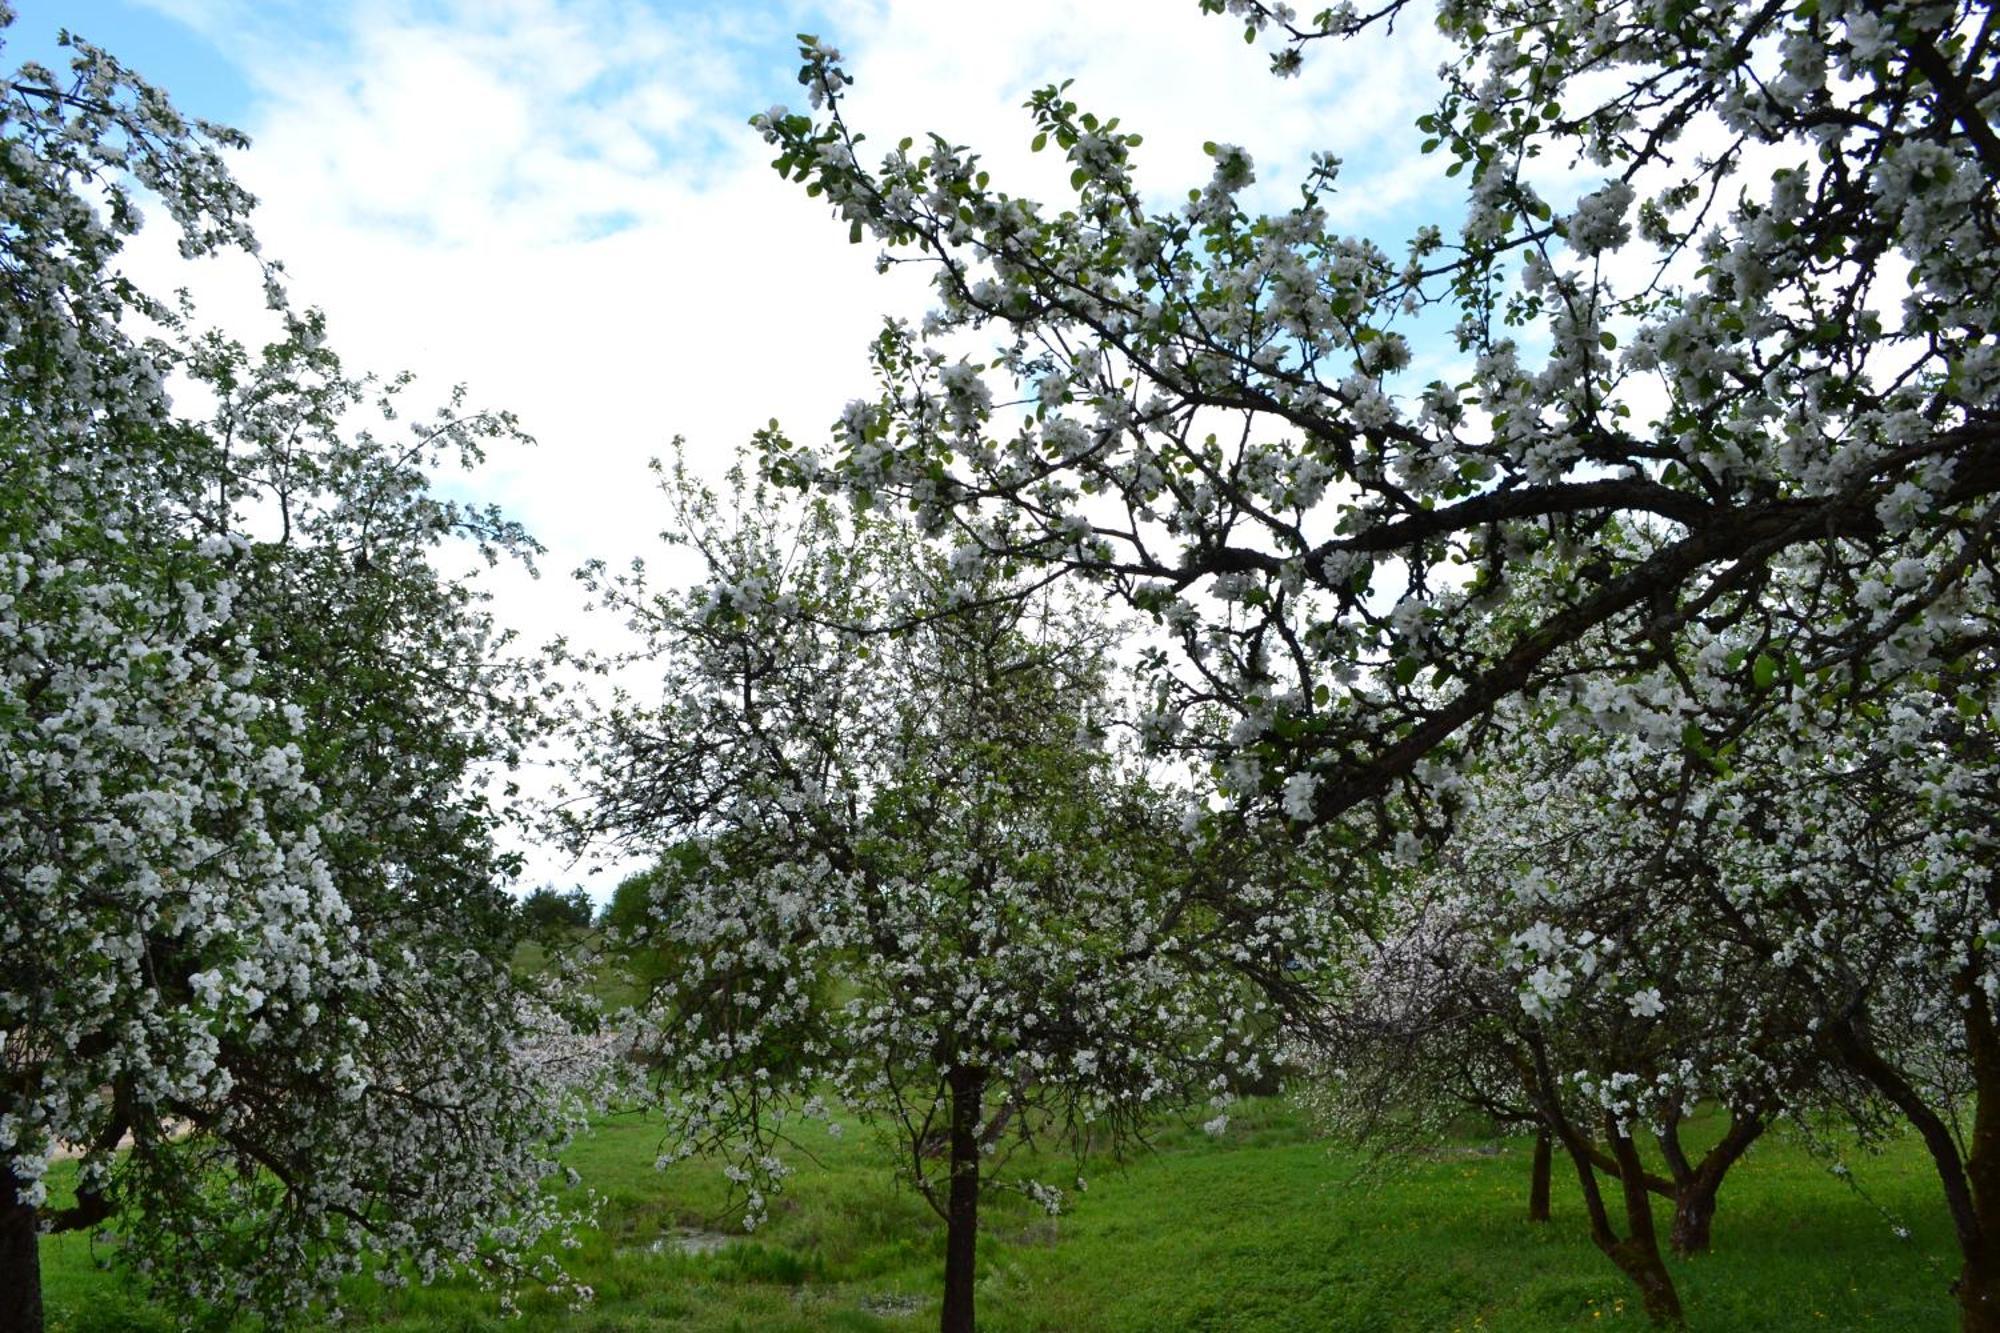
(1779,908)
(253,927)
(1757,347)
(901,871)
(1352,534)
(1860,862)
(1558,965)
(1813,852)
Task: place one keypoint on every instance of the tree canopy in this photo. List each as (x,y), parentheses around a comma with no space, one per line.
(1711,472)
(1765,332)
(253,918)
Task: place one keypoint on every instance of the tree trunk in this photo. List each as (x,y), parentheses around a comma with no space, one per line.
(1639,1253)
(1979,1280)
(1972,1181)
(1694,1212)
(962,1208)
(1978,1300)
(1648,1271)
(1538,1182)
(20,1260)
(1697,1185)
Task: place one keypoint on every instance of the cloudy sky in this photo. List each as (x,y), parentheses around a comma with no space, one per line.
(558,202)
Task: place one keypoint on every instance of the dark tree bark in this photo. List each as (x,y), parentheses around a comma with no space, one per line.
(1979,1280)
(20,1259)
(1637,1253)
(1538,1182)
(962,1206)
(1971,1181)
(1694,1216)
(1696,1184)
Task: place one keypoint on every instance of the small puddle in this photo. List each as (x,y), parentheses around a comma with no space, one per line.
(892,1305)
(686,1240)
(1044,1233)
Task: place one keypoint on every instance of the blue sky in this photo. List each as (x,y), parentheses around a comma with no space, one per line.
(168,52)
(558,202)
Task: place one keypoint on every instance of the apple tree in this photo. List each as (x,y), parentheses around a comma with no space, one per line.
(253,917)
(902,871)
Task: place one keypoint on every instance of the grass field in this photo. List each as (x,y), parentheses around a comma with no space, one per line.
(1261,1229)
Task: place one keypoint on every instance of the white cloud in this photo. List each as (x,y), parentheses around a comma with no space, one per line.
(558,201)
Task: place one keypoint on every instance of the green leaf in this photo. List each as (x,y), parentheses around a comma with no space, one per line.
(1764,671)
(1039,142)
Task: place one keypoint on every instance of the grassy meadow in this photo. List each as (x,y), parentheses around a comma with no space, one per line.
(1263,1228)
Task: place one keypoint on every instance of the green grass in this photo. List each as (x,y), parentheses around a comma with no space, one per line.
(1263,1229)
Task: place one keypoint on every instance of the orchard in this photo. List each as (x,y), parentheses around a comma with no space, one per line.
(1163,686)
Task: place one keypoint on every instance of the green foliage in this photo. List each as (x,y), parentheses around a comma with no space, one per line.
(631,902)
(551,912)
